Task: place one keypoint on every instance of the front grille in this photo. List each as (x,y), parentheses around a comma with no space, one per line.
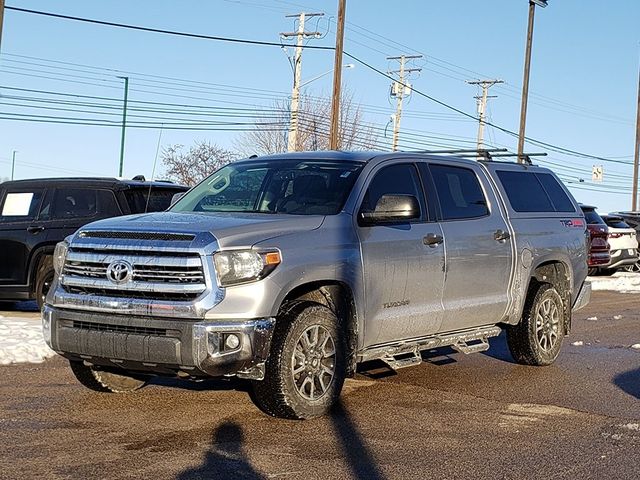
(157,275)
(179,237)
(106,327)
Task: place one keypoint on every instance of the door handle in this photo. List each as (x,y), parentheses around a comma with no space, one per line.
(35,229)
(432,240)
(501,236)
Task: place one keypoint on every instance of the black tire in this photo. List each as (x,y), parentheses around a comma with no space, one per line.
(287,395)
(606,272)
(525,340)
(105,382)
(44,278)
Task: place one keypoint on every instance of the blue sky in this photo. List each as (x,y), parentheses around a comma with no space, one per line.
(583,80)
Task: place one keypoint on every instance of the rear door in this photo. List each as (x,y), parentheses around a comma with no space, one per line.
(477,247)
(20,232)
(403,276)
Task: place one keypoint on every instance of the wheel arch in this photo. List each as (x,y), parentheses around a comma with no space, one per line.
(36,257)
(557,273)
(339,298)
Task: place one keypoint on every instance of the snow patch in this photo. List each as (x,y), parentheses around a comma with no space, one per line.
(593,319)
(623,282)
(617,317)
(579,343)
(21,341)
(632,426)
(636,346)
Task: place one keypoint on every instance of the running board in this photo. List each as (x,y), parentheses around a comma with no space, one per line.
(465,341)
(411,359)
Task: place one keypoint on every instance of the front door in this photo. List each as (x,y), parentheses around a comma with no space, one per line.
(403,276)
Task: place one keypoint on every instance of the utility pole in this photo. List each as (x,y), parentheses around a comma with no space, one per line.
(525,82)
(334,130)
(292,139)
(1,20)
(124,123)
(636,157)
(482,105)
(13,163)
(400,89)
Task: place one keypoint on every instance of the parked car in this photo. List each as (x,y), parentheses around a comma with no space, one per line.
(633,220)
(623,242)
(37,214)
(289,270)
(599,248)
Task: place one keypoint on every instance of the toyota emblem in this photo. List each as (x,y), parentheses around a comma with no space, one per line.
(119,271)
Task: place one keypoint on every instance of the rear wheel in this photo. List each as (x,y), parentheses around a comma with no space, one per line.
(537,339)
(44,279)
(634,268)
(106,382)
(306,366)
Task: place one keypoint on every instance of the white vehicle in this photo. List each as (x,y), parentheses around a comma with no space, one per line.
(624,244)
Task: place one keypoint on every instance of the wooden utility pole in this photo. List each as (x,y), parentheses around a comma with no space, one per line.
(292,138)
(400,89)
(636,157)
(1,21)
(525,82)
(334,140)
(482,105)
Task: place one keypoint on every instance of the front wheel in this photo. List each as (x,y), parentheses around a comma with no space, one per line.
(106,382)
(537,339)
(306,367)
(44,278)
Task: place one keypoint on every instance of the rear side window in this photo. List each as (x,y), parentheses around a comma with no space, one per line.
(158,201)
(534,192)
(459,192)
(75,203)
(18,206)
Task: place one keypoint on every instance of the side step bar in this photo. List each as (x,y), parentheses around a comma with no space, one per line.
(466,341)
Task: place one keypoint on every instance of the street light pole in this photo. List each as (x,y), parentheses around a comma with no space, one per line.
(1,19)
(525,82)
(124,123)
(13,165)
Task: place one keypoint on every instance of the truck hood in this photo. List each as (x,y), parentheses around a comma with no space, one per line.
(229,229)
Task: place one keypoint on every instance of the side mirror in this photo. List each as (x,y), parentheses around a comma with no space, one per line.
(392,209)
(176,197)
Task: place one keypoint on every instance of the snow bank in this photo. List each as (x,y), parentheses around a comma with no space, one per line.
(21,341)
(623,282)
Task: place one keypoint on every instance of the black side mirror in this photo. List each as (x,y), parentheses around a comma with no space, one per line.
(392,209)
(176,197)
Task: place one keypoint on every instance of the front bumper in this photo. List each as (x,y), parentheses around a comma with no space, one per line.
(161,346)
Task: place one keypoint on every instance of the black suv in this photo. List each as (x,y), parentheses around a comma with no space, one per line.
(37,214)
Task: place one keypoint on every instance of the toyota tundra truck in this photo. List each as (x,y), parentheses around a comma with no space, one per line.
(290,270)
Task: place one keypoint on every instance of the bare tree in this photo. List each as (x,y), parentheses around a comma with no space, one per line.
(313,128)
(202,159)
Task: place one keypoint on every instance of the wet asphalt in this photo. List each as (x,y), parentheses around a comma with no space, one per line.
(454,416)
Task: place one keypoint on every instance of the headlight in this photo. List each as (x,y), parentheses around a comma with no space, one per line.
(243,266)
(59,256)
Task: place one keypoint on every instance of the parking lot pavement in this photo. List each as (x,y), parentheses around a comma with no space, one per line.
(455,416)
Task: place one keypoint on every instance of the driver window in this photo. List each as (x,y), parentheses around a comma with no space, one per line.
(398,179)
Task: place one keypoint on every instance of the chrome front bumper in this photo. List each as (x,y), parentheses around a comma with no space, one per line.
(159,345)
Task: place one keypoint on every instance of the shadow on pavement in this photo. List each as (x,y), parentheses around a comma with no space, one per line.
(498,349)
(24,306)
(360,460)
(212,384)
(226,457)
(629,382)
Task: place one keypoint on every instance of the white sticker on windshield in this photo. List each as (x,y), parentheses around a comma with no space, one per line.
(17,204)
(345,174)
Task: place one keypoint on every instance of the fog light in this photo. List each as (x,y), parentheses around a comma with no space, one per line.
(232,342)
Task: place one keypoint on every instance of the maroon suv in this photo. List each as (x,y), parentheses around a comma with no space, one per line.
(599,252)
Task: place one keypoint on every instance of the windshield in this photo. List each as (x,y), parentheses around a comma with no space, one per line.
(277,186)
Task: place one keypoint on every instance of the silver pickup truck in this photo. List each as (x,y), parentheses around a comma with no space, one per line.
(290,270)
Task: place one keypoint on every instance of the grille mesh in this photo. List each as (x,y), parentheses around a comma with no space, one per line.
(180,237)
